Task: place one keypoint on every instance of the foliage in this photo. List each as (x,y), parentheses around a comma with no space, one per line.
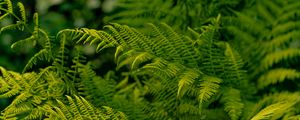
(158,72)
(178,13)
(275,29)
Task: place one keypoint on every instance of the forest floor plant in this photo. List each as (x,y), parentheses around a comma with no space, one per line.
(160,74)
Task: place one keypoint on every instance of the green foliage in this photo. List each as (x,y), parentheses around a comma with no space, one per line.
(178,13)
(80,109)
(269,41)
(158,72)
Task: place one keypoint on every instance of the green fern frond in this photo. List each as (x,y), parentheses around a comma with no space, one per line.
(9,6)
(163,68)
(266,35)
(21,21)
(232,103)
(17,26)
(11,83)
(286,26)
(276,76)
(41,55)
(22,11)
(279,56)
(208,87)
(281,41)
(137,59)
(186,81)
(61,57)
(273,110)
(80,109)
(280,98)
(30,41)
(296,117)
(33,91)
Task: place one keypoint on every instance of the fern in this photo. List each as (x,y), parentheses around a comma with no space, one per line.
(81,109)
(276,35)
(208,88)
(232,103)
(160,73)
(166,55)
(269,111)
(179,14)
(276,76)
(273,106)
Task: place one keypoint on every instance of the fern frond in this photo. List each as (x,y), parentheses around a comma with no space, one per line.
(163,68)
(22,11)
(30,41)
(232,103)
(41,55)
(286,26)
(186,81)
(282,98)
(34,91)
(9,6)
(296,117)
(11,83)
(272,110)
(79,108)
(208,87)
(281,41)
(279,56)
(17,26)
(276,76)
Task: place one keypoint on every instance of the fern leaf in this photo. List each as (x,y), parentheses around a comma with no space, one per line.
(281,41)
(41,55)
(140,58)
(271,110)
(89,108)
(162,68)
(276,76)
(11,27)
(263,12)
(81,109)
(232,103)
(296,117)
(21,98)
(22,43)
(63,110)
(208,88)
(186,81)
(74,109)
(22,11)
(9,6)
(277,57)
(286,26)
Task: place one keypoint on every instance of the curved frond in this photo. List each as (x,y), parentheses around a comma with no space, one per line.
(22,11)
(9,6)
(43,54)
(233,104)
(186,81)
(208,87)
(272,110)
(28,42)
(80,109)
(276,76)
(279,56)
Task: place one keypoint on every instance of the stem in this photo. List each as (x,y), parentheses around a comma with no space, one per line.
(15,16)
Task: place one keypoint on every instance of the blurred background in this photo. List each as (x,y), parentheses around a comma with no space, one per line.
(54,15)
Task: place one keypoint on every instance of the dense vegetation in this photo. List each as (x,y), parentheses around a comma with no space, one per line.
(154,59)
